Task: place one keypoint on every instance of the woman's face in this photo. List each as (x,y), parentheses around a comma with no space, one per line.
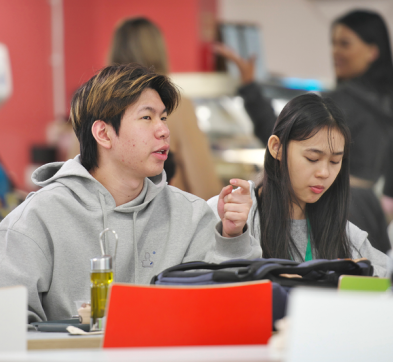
(314,164)
(352,56)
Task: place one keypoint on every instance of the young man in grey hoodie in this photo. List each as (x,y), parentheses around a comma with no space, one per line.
(117,181)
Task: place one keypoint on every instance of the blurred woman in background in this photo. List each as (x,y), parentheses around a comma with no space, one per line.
(364,71)
(139,40)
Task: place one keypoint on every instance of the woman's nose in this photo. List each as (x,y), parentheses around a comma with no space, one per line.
(323,171)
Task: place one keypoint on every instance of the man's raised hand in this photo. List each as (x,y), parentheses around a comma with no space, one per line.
(234,207)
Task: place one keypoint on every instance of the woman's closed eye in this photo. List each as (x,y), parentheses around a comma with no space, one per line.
(311,160)
(315,160)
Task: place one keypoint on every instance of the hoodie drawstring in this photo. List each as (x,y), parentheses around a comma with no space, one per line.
(136,258)
(135,214)
(102,203)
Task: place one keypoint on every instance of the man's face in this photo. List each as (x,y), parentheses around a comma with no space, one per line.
(142,145)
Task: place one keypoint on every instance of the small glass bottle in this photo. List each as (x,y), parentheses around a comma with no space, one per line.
(101,277)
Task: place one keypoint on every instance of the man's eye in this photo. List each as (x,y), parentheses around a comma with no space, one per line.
(163,118)
(311,160)
(146,117)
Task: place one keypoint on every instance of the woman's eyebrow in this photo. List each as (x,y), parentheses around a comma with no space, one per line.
(316,150)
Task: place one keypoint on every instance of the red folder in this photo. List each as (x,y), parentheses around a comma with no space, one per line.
(157,316)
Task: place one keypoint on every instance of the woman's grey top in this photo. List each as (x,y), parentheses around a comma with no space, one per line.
(361,247)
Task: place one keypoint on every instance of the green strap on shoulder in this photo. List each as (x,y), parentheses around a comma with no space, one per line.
(308,250)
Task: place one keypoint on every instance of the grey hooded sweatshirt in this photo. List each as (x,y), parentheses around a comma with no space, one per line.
(47,242)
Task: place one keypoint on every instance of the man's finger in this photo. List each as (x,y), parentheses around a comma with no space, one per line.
(236,197)
(234,217)
(225,191)
(241,208)
(243,184)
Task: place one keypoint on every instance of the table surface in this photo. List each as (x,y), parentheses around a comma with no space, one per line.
(50,340)
(159,354)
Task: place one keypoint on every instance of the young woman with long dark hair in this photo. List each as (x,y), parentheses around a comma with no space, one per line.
(364,71)
(300,209)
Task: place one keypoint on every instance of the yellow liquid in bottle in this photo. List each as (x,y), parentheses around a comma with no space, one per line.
(100,282)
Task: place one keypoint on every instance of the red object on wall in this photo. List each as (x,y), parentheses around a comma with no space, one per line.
(159,316)
(25,28)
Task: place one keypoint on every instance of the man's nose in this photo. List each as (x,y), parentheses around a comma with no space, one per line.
(162,130)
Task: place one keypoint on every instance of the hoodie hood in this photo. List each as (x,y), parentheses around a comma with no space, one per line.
(91,192)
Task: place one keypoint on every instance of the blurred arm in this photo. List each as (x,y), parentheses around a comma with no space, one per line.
(195,171)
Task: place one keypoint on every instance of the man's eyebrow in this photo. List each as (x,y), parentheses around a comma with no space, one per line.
(316,150)
(151,109)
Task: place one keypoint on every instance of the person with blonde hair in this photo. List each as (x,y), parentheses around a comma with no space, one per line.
(139,40)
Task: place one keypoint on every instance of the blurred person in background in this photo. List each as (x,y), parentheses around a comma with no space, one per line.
(60,134)
(364,72)
(10,196)
(139,40)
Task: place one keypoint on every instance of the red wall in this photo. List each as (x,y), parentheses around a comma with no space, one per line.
(88,28)
(25,30)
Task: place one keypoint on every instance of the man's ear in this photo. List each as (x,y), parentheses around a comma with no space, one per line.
(102,133)
(274,146)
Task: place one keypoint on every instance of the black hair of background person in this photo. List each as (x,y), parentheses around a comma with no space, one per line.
(371,28)
(301,119)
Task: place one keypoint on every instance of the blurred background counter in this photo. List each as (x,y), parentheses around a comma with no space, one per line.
(221,115)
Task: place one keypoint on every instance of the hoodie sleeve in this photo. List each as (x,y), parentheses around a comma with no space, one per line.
(208,236)
(23,262)
(243,246)
(362,248)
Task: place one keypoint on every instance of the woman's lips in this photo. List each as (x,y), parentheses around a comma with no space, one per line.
(317,189)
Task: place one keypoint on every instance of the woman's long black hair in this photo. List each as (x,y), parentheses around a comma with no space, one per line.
(371,28)
(301,119)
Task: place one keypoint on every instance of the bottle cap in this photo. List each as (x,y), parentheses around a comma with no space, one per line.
(101,263)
